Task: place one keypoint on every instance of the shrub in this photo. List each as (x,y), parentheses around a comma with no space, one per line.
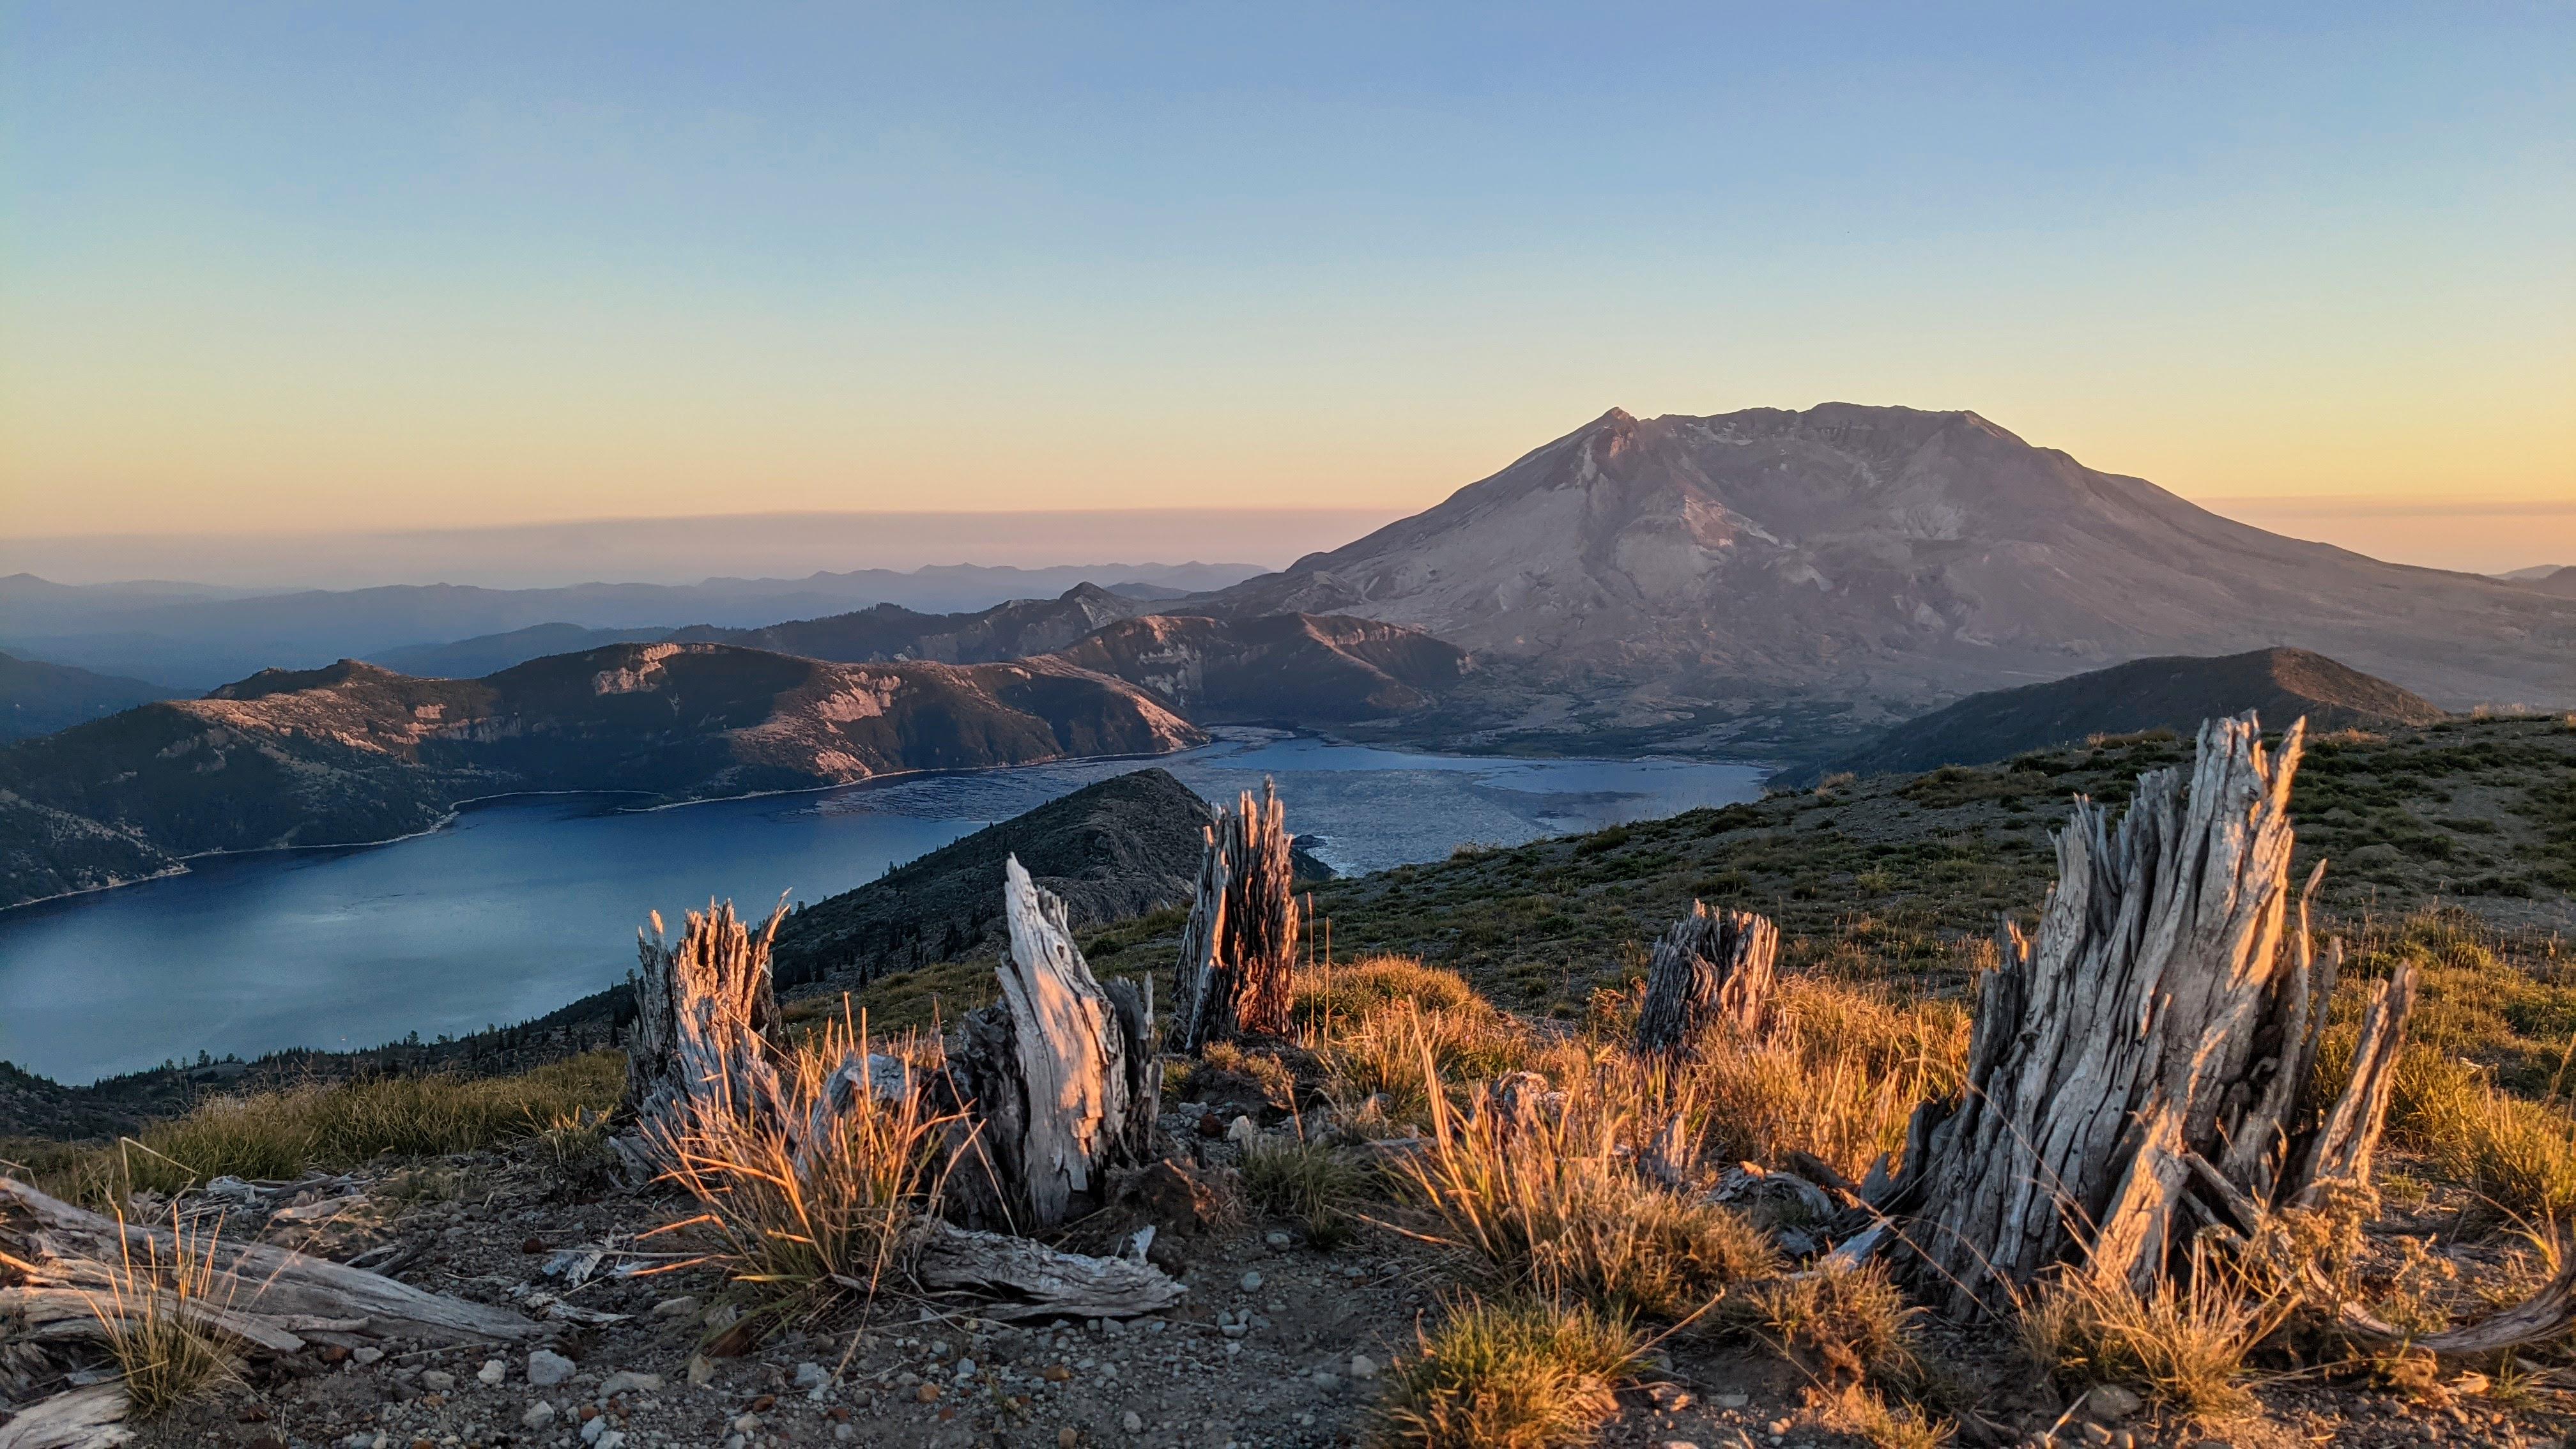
(1520,1373)
(1327,997)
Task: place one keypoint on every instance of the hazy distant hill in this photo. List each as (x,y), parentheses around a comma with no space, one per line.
(491,653)
(1012,630)
(1888,557)
(195,637)
(1274,668)
(353,753)
(2558,581)
(1124,846)
(2144,694)
(37,698)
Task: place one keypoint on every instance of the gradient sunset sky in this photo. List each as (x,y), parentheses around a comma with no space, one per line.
(352,266)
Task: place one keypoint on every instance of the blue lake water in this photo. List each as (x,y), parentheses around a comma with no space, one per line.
(520,906)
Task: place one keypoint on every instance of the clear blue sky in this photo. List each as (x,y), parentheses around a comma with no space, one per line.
(354,265)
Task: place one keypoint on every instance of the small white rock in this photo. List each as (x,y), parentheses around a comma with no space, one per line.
(1326,1380)
(437,1381)
(1363,1366)
(539,1415)
(623,1382)
(366,1356)
(547,1368)
(1132,1422)
(591,1431)
(492,1371)
(680,1307)
(614,1438)
(1251,1282)
(965,1368)
(1278,1239)
(812,1376)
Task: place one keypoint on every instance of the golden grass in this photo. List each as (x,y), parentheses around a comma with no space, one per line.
(2183,1343)
(1516,1373)
(166,1356)
(283,1133)
(1324,998)
(805,1230)
(1835,1070)
(1553,1202)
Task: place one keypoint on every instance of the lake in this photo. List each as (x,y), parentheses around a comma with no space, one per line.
(522,905)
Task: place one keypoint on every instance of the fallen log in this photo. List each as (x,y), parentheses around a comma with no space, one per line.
(274,1295)
(1016,1278)
(1059,1079)
(1710,968)
(1240,944)
(84,1418)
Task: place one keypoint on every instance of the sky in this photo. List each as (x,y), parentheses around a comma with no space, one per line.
(296,269)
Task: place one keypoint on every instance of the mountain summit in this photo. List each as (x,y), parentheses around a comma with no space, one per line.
(1894,557)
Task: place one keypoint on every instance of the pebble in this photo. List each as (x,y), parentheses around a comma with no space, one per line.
(437,1381)
(491,1371)
(365,1356)
(623,1382)
(1251,1282)
(593,1431)
(1326,1380)
(1363,1366)
(965,1368)
(1279,1239)
(1133,1422)
(1242,1132)
(680,1307)
(811,1376)
(547,1368)
(539,1415)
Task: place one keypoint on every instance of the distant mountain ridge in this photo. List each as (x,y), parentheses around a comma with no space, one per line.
(37,698)
(197,636)
(352,753)
(2144,694)
(1886,557)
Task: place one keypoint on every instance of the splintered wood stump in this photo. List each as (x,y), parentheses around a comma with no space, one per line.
(1711,968)
(2151,1051)
(705,1009)
(1240,945)
(1059,1077)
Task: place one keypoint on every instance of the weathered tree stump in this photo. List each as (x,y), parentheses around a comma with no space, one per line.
(1710,968)
(705,1010)
(1059,1078)
(1240,945)
(2151,1050)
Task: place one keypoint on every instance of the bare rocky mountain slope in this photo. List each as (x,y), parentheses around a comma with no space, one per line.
(1639,571)
(2144,694)
(353,753)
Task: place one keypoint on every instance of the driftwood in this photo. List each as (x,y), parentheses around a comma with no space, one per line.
(2166,1015)
(1240,944)
(1059,1078)
(1710,968)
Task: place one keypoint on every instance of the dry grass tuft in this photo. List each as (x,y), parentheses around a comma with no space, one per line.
(1519,1373)
(1325,998)
(806,1229)
(2183,1344)
(148,1315)
(1845,1324)
(1866,1414)
(1306,1182)
(1552,1200)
